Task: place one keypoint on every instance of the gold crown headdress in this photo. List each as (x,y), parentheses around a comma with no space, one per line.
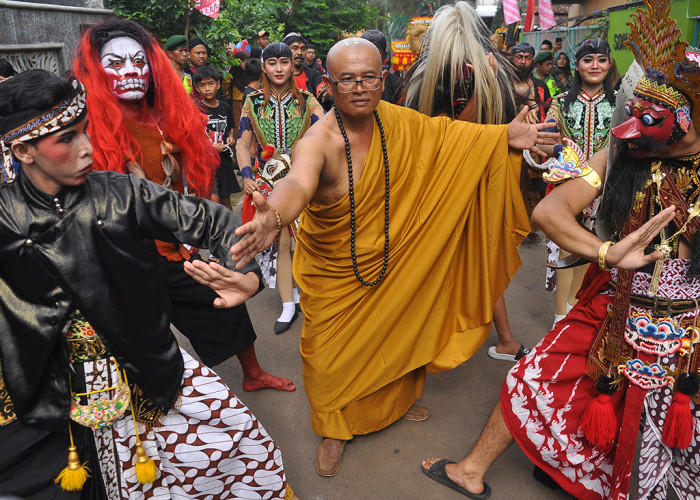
(659,50)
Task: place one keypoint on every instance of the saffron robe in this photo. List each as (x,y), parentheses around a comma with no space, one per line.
(456,219)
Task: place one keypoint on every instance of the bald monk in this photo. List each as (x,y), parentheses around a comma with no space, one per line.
(392,287)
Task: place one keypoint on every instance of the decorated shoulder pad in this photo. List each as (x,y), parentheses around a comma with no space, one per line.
(569,164)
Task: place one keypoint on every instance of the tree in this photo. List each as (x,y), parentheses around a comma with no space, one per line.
(162,18)
(253,16)
(323,22)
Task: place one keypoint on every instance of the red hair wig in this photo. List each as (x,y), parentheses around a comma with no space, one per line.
(184,122)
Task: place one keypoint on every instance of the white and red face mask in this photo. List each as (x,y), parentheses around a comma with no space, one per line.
(125,62)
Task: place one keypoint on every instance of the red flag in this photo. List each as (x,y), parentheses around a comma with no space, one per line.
(547,20)
(530,15)
(209,8)
(511,12)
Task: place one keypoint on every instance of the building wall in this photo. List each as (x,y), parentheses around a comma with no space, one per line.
(590,6)
(45,36)
(618,30)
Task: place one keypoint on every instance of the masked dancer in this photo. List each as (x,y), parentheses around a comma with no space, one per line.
(461,75)
(626,357)
(141,121)
(94,390)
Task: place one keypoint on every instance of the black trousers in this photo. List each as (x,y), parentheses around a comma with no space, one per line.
(215,334)
(31,459)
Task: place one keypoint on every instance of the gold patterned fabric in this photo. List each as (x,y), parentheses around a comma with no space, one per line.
(84,344)
(146,410)
(7,410)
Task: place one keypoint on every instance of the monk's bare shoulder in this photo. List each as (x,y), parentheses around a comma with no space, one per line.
(320,132)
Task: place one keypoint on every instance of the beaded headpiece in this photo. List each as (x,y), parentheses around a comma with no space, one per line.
(34,125)
(659,50)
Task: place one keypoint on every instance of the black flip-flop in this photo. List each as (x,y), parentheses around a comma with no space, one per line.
(545,478)
(437,473)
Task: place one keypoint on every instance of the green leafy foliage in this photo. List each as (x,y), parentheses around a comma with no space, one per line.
(162,18)
(217,34)
(323,22)
(253,16)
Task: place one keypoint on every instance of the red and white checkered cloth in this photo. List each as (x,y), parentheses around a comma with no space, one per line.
(547,20)
(511,12)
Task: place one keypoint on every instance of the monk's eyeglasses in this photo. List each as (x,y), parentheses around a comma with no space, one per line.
(349,86)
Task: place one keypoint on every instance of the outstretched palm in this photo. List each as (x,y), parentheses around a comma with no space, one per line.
(524,135)
(232,288)
(258,233)
(628,253)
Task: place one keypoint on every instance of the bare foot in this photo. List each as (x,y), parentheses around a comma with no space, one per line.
(265,380)
(456,474)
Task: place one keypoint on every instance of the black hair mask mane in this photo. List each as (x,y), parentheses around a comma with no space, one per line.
(627,177)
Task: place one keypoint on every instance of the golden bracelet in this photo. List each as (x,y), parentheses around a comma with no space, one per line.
(602,253)
(279,222)
(592,178)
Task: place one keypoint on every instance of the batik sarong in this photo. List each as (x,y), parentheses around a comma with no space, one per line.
(208,446)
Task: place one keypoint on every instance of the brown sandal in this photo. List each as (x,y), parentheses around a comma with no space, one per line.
(417,413)
(329,457)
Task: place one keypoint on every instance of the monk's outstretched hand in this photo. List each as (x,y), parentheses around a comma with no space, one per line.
(258,234)
(524,135)
(231,287)
(628,253)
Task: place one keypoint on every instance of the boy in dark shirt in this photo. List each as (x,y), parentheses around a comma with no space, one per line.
(207,81)
(253,72)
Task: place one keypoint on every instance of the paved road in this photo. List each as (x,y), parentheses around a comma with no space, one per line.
(385,465)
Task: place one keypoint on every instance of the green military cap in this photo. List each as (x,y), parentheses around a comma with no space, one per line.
(545,55)
(175,42)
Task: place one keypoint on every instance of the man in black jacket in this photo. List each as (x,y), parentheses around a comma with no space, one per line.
(78,262)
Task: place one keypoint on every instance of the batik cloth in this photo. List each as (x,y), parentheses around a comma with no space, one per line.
(546,394)
(587,124)
(208,446)
(280,123)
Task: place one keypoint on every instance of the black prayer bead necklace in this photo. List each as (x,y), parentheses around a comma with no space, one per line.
(351,190)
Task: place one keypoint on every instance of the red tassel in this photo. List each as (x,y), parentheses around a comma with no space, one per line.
(678,429)
(599,423)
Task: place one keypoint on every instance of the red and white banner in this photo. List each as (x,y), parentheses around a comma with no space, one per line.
(209,8)
(529,15)
(547,20)
(511,11)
